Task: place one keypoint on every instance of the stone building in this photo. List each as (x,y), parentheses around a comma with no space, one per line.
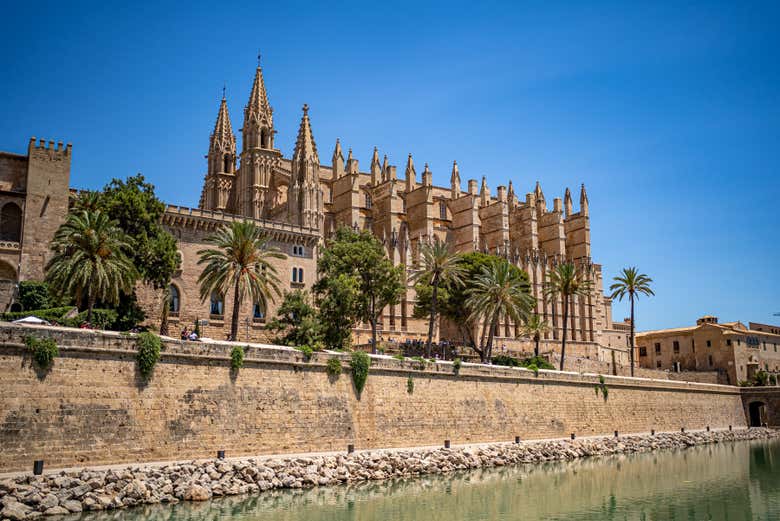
(736,351)
(300,201)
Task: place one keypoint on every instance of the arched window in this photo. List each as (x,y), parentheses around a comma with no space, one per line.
(217,303)
(175,302)
(258,311)
(368,202)
(11,223)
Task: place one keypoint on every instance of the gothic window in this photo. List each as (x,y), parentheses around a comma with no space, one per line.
(642,351)
(11,223)
(217,304)
(368,202)
(258,311)
(297,275)
(298,250)
(442,210)
(657,348)
(175,302)
(676,346)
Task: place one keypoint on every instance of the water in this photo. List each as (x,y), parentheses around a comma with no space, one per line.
(735,481)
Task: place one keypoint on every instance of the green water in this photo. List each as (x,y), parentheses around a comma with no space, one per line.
(736,481)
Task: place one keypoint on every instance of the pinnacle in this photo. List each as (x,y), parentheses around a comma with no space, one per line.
(223,136)
(305,147)
(257,105)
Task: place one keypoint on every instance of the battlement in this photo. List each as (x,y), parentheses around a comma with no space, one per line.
(48,147)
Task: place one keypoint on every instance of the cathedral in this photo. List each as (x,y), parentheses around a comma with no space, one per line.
(299,201)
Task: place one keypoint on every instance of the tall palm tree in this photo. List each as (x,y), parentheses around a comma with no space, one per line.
(535,327)
(90,260)
(631,282)
(500,289)
(241,260)
(439,266)
(566,281)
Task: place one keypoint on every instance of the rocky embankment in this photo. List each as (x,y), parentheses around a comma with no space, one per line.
(28,496)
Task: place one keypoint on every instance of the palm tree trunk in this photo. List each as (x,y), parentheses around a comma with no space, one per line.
(565,317)
(631,340)
(236,306)
(536,346)
(90,307)
(489,346)
(433,317)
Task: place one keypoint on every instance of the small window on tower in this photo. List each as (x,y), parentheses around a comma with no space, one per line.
(368,202)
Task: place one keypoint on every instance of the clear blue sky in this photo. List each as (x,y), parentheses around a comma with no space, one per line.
(669,114)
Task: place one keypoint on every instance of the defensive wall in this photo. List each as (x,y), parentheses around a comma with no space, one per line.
(92,407)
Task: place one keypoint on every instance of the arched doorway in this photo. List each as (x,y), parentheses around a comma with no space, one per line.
(757,414)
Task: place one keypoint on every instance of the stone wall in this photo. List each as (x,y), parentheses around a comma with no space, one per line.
(92,406)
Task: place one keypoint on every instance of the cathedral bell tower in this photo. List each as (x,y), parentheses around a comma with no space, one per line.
(259,158)
(305,194)
(220,176)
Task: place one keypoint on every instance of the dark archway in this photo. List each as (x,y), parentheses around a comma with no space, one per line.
(11,223)
(757,413)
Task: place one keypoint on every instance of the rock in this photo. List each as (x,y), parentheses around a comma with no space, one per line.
(72,505)
(197,493)
(49,501)
(15,511)
(55,511)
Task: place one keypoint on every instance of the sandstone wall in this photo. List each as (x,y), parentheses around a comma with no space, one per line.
(92,407)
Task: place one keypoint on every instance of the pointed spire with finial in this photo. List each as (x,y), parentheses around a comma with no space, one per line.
(376,169)
(455,180)
(484,192)
(584,210)
(411,175)
(337,163)
(223,139)
(384,168)
(352,164)
(305,147)
(511,196)
(567,204)
(427,176)
(258,108)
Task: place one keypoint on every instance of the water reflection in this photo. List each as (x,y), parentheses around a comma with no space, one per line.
(739,481)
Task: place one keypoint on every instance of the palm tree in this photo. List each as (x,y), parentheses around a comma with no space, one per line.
(632,282)
(535,327)
(439,266)
(565,281)
(241,260)
(90,260)
(500,289)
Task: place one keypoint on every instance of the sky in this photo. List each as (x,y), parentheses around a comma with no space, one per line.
(668,112)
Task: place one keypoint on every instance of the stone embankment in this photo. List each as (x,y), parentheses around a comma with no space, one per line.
(29,496)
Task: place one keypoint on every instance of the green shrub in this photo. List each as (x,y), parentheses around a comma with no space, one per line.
(149,347)
(307,352)
(772,379)
(237,358)
(34,294)
(409,385)
(538,361)
(101,319)
(602,386)
(456,364)
(52,315)
(423,362)
(761,378)
(533,368)
(359,365)
(399,356)
(333,367)
(506,360)
(43,350)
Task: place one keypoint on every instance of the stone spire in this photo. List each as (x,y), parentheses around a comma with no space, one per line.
(337,161)
(567,204)
(305,194)
(352,164)
(427,176)
(512,197)
(384,168)
(584,210)
(258,116)
(218,184)
(541,204)
(484,192)
(411,175)
(376,169)
(455,180)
